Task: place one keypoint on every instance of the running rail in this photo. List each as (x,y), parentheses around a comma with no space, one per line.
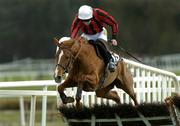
(44,93)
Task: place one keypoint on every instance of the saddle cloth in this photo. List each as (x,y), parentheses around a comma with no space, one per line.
(115,57)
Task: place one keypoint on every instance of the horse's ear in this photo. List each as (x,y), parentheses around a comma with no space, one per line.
(56,42)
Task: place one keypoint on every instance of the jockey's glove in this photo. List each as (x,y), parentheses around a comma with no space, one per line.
(114,42)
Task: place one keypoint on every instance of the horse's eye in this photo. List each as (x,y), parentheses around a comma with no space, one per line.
(67,56)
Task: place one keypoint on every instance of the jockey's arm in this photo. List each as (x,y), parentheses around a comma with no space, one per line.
(109,20)
(75,27)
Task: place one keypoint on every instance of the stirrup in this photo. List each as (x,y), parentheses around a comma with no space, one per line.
(111,66)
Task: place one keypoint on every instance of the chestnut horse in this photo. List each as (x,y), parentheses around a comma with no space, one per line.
(85,70)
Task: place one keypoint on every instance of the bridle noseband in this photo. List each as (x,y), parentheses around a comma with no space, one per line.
(65,68)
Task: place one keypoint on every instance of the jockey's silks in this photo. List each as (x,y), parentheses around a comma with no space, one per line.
(100,18)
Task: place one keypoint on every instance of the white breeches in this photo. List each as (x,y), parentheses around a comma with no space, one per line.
(100,35)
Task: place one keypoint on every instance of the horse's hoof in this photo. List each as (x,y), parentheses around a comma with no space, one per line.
(79,106)
(119,103)
(68,100)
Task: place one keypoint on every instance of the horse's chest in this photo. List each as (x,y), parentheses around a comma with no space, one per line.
(88,87)
(88,82)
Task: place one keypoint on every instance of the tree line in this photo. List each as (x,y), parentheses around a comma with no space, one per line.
(146,27)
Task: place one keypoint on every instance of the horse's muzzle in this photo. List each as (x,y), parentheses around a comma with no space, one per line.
(58,79)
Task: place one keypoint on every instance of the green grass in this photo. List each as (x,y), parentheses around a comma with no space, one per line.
(177,73)
(12,118)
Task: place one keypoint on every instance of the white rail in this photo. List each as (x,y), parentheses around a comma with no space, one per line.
(40,83)
(17,93)
(33,94)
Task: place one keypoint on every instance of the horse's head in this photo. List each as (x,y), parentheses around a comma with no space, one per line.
(64,58)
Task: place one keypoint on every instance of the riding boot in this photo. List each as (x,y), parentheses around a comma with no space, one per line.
(109,61)
(111,65)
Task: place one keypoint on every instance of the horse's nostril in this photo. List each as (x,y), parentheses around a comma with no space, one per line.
(58,79)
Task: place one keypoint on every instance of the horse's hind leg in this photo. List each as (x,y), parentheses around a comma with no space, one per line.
(128,89)
(67,83)
(125,82)
(106,93)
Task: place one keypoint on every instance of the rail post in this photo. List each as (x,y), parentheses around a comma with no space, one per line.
(44,108)
(22,113)
(32,112)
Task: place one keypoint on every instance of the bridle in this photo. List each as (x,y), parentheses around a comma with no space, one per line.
(72,58)
(70,62)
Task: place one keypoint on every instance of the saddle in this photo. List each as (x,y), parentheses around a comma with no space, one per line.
(96,46)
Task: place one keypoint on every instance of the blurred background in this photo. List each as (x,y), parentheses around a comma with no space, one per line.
(146,27)
(149,29)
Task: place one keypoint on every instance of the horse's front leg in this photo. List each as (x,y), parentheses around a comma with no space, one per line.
(78,97)
(67,83)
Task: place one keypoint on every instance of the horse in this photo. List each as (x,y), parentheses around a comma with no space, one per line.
(85,70)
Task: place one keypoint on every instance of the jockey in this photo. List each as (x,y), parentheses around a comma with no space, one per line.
(91,22)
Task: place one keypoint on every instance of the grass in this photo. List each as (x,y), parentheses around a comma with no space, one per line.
(177,73)
(12,118)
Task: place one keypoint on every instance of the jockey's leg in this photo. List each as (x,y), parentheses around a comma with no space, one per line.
(106,55)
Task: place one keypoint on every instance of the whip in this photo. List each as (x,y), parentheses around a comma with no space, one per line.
(127,52)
